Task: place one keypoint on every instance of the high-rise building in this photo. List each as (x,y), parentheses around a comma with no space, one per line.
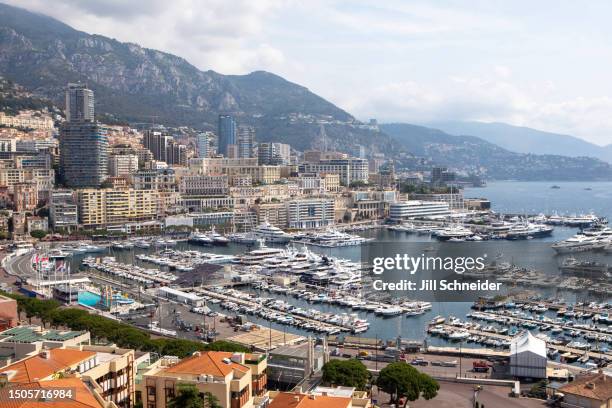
(227,133)
(63,211)
(122,164)
(204,140)
(79,103)
(165,148)
(83,154)
(274,153)
(246,142)
(83,141)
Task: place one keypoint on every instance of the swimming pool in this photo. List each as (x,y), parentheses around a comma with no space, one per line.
(87,298)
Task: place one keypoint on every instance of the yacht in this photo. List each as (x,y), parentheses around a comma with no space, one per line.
(198,238)
(217,239)
(456,232)
(525,230)
(273,234)
(248,238)
(578,242)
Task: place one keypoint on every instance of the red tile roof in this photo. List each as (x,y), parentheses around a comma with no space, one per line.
(209,362)
(38,367)
(291,400)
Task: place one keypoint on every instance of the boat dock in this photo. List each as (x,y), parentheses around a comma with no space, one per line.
(561,349)
(255,305)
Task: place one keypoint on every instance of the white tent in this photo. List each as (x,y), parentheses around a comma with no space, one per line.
(528,356)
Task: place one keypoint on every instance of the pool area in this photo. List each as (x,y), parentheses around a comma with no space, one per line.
(91,299)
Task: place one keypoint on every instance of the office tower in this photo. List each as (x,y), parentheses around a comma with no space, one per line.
(227,133)
(79,103)
(246,141)
(83,141)
(204,140)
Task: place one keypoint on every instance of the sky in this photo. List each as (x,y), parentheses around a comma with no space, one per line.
(543,64)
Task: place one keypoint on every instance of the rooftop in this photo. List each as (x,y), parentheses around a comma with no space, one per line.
(594,386)
(291,400)
(32,334)
(82,396)
(39,367)
(216,363)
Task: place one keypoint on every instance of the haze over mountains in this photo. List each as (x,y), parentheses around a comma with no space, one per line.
(526,140)
(139,85)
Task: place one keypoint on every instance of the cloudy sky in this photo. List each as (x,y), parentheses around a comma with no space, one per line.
(543,64)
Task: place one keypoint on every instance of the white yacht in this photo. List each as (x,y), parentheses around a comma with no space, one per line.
(525,230)
(454,232)
(578,242)
(217,239)
(199,238)
(273,234)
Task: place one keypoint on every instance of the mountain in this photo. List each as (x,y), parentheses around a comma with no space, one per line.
(526,140)
(139,85)
(475,155)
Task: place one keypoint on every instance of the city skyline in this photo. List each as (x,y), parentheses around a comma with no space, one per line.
(415,63)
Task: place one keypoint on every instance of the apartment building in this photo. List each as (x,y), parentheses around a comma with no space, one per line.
(204,185)
(27,120)
(310,213)
(122,164)
(63,210)
(18,342)
(233,378)
(99,208)
(155,179)
(111,369)
(350,170)
(236,167)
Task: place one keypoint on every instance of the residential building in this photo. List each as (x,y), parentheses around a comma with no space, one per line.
(111,368)
(165,148)
(246,141)
(25,196)
(588,391)
(83,154)
(201,204)
(299,400)
(291,364)
(34,223)
(79,103)
(19,342)
(83,142)
(85,394)
(8,145)
(350,170)
(276,213)
(310,213)
(156,179)
(274,153)
(236,167)
(122,164)
(27,120)
(104,207)
(227,133)
(204,185)
(234,379)
(204,144)
(63,210)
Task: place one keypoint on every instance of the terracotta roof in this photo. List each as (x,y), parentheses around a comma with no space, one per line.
(82,396)
(596,386)
(38,367)
(210,363)
(291,400)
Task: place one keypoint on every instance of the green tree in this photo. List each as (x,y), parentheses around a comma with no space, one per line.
(187,396)
(348,373)
(401,380)
(38,234)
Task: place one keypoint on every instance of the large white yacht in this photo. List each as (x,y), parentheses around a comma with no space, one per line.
(454,232)
(273,234)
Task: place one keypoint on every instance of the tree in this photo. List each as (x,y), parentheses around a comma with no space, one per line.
(40,234)
(348,373)
(401,380)
(188,396)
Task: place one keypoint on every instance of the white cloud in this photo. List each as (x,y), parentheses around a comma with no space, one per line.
(216,34)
